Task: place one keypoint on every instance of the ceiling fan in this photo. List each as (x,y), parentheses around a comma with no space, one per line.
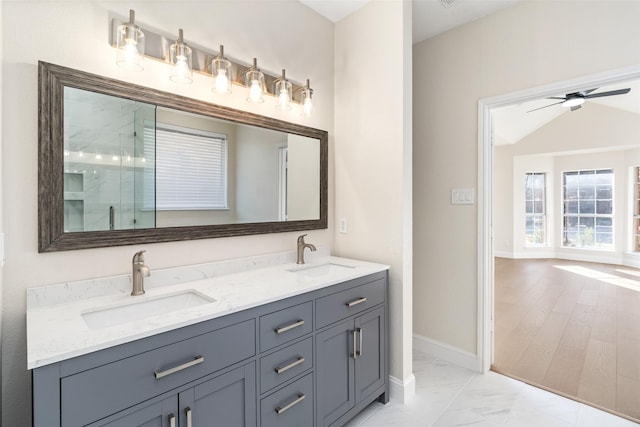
(576,99)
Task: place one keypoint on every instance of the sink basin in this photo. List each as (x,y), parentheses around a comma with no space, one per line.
(138,310)
(321,269)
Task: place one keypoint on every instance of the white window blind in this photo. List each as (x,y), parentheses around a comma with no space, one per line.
(190,168)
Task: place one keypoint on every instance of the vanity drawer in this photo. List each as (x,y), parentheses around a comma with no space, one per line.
(343,304)
(93,394)
(285,364)
(290,406)
(284,325)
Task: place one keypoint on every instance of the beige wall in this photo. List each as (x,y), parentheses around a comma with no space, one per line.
(372,153)
(281,34)
(524,46)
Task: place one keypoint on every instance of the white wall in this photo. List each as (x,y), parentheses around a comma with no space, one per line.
(373,154)
(303,178)
(524,46)
(281,34)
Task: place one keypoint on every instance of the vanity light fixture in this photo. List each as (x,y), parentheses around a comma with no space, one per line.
(305,99)
(129,40)
(222,73)
(254,80)
(180,57)
(130,44)
(283,88)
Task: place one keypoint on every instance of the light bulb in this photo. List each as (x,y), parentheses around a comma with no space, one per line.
(98,156)
(130,52)
(182,69)
(222,82)
(255,92)
(283,99)
(307,107)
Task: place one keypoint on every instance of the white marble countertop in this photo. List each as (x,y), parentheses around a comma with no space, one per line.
(56,329)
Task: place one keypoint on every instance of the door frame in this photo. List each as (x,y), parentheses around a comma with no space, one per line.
(485,188)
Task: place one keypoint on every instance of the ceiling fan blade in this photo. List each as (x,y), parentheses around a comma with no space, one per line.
(610,93)
(576,107)
(557,97)
(555,103)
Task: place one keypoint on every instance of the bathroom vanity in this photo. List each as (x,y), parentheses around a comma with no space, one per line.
(283,345)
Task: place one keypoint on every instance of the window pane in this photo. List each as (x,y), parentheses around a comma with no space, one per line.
(604,207)
(571,207)
(538,207)
(604,192)
(528,207)
(571,193)
(587,178)
(587,193)
(587,206)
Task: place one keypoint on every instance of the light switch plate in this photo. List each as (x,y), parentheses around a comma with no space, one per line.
(462,196)
(342,225)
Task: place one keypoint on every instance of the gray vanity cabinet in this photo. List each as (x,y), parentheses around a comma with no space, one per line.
(351,354)
(227,400)
(315,359)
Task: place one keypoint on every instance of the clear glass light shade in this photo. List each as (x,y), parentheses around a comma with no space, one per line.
(180,57)
(306,94)
(130,45)
(254,81)
(222,73)
(283,92)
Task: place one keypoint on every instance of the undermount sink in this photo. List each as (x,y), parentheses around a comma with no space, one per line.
(320,269)
(138,310)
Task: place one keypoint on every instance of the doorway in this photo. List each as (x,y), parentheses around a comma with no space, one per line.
(487,194)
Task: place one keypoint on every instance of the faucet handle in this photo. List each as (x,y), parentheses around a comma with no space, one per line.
(301,238)
(138,256)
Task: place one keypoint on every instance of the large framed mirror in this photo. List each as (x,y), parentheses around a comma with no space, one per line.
(122,164)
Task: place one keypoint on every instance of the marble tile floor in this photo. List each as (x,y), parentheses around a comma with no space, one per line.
(448,396)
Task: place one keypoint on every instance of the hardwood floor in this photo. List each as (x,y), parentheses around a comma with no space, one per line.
(570,327)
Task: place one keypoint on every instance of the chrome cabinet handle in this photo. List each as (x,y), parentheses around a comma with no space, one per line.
(359,352)
(160,374)
(282,369)
(285,408)
(356,302)
(172,421)
(289,327)
(355,352)
(187,411)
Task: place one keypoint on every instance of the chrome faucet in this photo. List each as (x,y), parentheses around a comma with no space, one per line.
(139,272)
(301,246)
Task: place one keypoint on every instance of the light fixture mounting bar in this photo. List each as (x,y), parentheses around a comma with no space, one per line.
(157,48)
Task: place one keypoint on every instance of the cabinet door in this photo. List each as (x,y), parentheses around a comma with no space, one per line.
(158,414)
(335,375)
(225,401)
(369,362)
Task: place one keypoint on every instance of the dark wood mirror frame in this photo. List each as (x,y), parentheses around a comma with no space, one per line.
(51,236)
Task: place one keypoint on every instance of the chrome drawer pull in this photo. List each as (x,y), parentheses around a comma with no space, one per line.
(282,369)
(281,410)
(359,352)
(189,420)
(289,327)
(356,302)
(160,374)
(172,421)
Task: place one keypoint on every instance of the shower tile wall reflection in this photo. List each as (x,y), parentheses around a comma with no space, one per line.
(105,162)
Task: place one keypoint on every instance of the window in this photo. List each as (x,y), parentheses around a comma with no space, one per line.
(588,209)
(535,209)
(190,168)
(636,209)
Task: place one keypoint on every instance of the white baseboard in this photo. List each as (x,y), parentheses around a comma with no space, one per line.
(447,352)
(401,391)
(503,254)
